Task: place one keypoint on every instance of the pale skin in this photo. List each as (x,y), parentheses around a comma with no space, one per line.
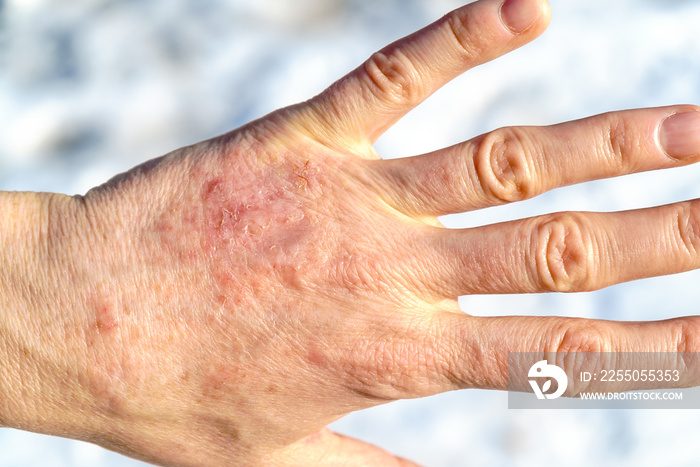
(224,303)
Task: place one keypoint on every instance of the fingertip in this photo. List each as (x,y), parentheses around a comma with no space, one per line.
(546,17)
(525,16)
(679,134)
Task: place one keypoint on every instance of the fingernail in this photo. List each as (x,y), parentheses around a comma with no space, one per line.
(680,134)
(519,15)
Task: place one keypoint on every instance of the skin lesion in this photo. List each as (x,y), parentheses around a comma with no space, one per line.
(259,222)
(251,225)
(261,229)
(106,319)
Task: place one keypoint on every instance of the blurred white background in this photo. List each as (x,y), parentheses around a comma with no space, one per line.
(88,88)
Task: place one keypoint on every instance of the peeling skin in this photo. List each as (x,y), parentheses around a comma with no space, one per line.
(256,224)
(245,250)
(268,226)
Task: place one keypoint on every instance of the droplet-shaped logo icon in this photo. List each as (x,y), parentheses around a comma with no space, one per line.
(542,369)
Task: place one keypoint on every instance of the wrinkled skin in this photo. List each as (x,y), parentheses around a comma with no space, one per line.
(233,300)
(262,267)
(224,303)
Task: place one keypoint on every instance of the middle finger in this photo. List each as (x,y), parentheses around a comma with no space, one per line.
(516,163)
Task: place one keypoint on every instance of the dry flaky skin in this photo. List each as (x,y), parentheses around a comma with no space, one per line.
(222,304)
(195,285)
(246,247)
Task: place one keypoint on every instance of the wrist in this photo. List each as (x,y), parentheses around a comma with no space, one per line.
(22,232)
(31,394)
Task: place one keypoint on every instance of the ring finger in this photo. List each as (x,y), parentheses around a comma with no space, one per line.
(565,252)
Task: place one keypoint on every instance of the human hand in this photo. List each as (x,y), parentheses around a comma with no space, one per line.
(238,295)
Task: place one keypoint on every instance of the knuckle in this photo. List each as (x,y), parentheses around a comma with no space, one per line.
(393,77)
(684,335)
(396,361)
(617,148)
(584,336)
(358,271)
(461,29)
(581,347)
(563,253)
(503,166)
(391,365)
(468,364)
(687,228)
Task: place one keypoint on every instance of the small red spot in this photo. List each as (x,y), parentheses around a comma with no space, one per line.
(316,358)
(220,380)
(212,188)
(106,320)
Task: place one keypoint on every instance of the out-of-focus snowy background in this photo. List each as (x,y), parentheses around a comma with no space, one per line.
(88,88)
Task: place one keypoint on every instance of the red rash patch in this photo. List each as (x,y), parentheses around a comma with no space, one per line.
(256,225)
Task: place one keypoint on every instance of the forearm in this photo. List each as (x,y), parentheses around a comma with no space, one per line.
(19,244)
(31,396)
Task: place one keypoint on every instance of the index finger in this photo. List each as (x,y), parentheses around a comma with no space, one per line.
(366,102)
